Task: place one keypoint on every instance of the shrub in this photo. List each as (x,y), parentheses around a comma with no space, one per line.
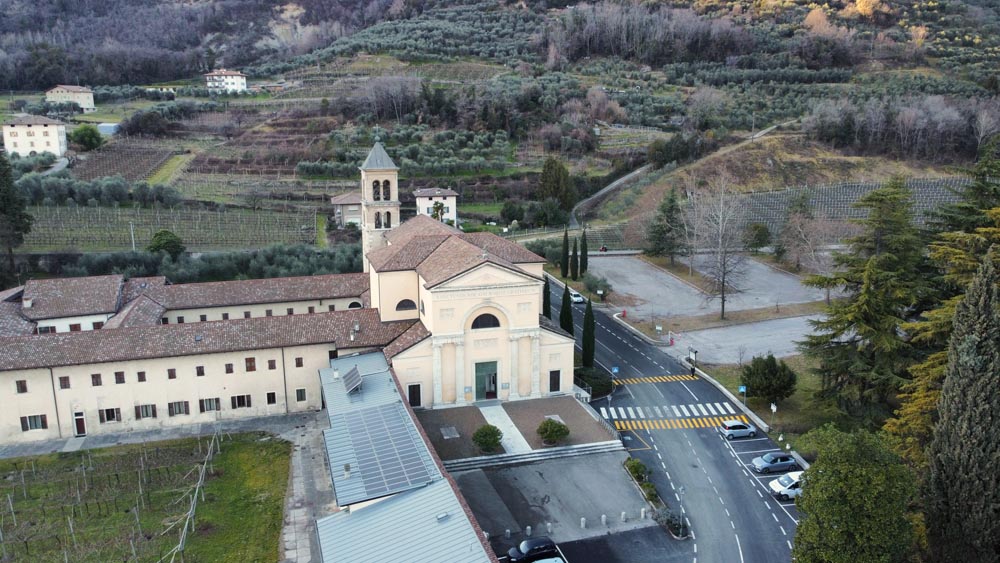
(768,378)
(552,431)
(649,490)
(487,438)
(637,469)
(598,380)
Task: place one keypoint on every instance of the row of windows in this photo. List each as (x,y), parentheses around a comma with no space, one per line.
(75,327)
(175,408)
(379,223)
(28,133)
(384,194)
(13,144)
(268,313)
(430,210)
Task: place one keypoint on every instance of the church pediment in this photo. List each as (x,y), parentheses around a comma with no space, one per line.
(487,275)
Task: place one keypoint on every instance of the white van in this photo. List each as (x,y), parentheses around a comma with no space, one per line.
(788,486)
(576,297)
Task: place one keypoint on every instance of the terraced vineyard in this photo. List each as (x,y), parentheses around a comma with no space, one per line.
(134,160)
(104,229)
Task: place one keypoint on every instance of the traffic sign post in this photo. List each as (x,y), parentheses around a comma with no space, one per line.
(743,389)
(774,409)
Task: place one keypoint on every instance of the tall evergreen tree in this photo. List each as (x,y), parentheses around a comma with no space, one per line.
(566,312)
(547,299)
(583,253)
(589,336)
(555,184)
(962,492)
(15,221)
(861,349)
(564,260)
(574,263)
(666,233)
(982,193)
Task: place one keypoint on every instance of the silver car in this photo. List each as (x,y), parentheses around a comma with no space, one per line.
(737,429)
(773,461)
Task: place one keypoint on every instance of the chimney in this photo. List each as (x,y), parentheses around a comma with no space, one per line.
(26,302)
(347,471)
(336,373)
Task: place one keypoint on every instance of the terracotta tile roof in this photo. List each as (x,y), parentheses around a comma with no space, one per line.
(503,248)
(456,256)
(434,192)
(11,321)
(162,341)
(12,293)
(268,290)
(70,88)
(413,336)
(224,72)
(32,120)
(421,225)
(552,326)
(141,311)
(72,297)
(137,286)
(405,256)
(366,298)
(350,198)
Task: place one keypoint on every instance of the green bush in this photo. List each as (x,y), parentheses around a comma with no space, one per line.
(487,438)
(637,469)
(552,431)
(598,380)
(649,490)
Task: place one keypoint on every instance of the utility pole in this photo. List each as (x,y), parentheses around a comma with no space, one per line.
(131,230)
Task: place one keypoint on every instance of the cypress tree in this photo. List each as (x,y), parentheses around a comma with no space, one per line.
(566,312)
(574,263)
(666,232)
(547,299)
(583,253)
(564,261)
(15,221)
(962,493)
(589,336)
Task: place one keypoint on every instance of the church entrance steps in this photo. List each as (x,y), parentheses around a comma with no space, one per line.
(533,456)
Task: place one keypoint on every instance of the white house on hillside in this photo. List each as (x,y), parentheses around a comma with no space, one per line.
(426,199)
(28,135)
(80,95)
(222,81)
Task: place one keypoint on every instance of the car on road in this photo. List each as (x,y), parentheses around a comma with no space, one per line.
(736,429)
(773,462)
(576,297)
(532,550)
(788,486)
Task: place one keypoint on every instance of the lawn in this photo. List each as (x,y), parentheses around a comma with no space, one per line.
(168,170)
(104,504)
(480,208)
(797,414)
(712,320)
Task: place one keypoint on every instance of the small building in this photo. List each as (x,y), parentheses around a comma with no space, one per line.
(347,209)
(28,135)
(79,95)
(223,81)
(426,198)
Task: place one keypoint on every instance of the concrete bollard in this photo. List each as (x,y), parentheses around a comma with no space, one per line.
(506,533)
(486,535)
(642,514)
(604,519)
(548,527)
(527,531)
(583,523)
(624,516)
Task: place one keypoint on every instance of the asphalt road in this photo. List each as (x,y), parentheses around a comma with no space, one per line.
(671,428)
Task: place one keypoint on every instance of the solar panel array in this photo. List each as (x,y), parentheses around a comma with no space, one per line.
(389,457)
(352,379)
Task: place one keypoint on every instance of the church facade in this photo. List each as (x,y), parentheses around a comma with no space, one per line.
(457,316)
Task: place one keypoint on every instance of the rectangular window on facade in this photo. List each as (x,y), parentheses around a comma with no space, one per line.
(268,313)
(272,398)
(229,368)
(110,415)
(64,382)
(290,311)
(141,377)
(34,422)
(312,309)
(413,394)
(240,401)
(554,377)
(75,328)
(46,330)
(180,320)
(22,385)
(251,364)
(331,308)
(300,395)
(199,371)
(165,321)
(178,408)
(272,364)
(95,379)
(246,314)
(332,354)
(202,318)
(207,405)
(145,411)
(225,316)
(119,377)
(98,325)
(171,373)
(298,362)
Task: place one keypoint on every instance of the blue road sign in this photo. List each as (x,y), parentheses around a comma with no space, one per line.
(614,369)
(743,388)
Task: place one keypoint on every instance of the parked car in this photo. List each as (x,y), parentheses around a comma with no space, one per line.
(576,297)
(532,550)
(774,461)
(788,486)
(736,429)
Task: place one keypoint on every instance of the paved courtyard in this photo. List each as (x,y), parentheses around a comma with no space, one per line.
(724,345)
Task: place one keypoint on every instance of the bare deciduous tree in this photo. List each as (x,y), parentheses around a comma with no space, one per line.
(723,220)
(806,240)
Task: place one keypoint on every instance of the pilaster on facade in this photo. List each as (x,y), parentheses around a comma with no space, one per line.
(515,344)
(536,362)
(460,372)
(436,374)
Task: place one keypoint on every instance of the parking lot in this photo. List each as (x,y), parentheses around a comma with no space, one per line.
(744,450)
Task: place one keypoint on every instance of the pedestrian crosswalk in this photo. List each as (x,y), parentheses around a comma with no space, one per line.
(654,379)
(724,410)
(674,423)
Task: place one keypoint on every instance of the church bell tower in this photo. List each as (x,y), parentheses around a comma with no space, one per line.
(379,199)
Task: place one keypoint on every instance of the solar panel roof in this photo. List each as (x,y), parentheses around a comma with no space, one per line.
(352,379)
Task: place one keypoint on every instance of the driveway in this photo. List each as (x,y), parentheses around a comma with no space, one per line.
(724,345)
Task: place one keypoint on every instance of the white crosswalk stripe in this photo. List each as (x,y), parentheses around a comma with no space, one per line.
(638,411)
(658,413)
(710,409)
(729,408)
(631,413)
(676,412)
(604,412)
(703,411)
(718,406)
(621,413)
(694,411)
(685,411)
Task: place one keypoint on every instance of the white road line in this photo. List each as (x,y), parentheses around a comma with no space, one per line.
(694,411)
(614,413)
(757,451)
(658,413)
(676,413)
(775,516)
(789,544)
(604,413)
(739,548)
(631,413)
(703,411)
(731,524)
(729,408)
(685,411)
(758,494)
(621,412)
(710,409)
(689,391)
(718,406)
(783,532)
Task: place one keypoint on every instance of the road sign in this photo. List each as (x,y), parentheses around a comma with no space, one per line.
(614,369)
(743,388)
(774,408)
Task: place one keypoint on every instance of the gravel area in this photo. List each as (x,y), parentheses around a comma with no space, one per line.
(583,429)
(465,420)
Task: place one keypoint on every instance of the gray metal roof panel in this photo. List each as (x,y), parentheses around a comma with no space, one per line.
(377,384)
(405,527)
(378,159)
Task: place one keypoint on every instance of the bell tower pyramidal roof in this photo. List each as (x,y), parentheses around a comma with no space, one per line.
(378,159)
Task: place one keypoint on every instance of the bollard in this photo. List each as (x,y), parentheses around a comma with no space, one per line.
(623,516)
(527,531)
(623,314)
(604,519)
(642,514)
(486,535)
(506,533)
(548,527)
(583,522)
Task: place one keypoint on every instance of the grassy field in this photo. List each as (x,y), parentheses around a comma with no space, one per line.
(712,320)
(168,170)
(99,505)
(480,208)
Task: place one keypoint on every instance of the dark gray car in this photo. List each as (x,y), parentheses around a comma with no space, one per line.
(773,462)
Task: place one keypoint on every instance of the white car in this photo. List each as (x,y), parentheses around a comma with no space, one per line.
(576,297)
(788,486)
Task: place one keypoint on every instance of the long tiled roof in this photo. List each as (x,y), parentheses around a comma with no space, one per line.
(418,226)
(72,297)
(349,198)
(456,256)
(405,256)
(32,120)
(141,311)
(268,290)
(11,321)
(434,192)
(502,248)
(70,88)
(224,72)
(413,336)
(135,287)
(97,346)
(9,294)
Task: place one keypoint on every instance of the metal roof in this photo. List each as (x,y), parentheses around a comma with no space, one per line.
(425,524)
(378,387)
(378,159)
